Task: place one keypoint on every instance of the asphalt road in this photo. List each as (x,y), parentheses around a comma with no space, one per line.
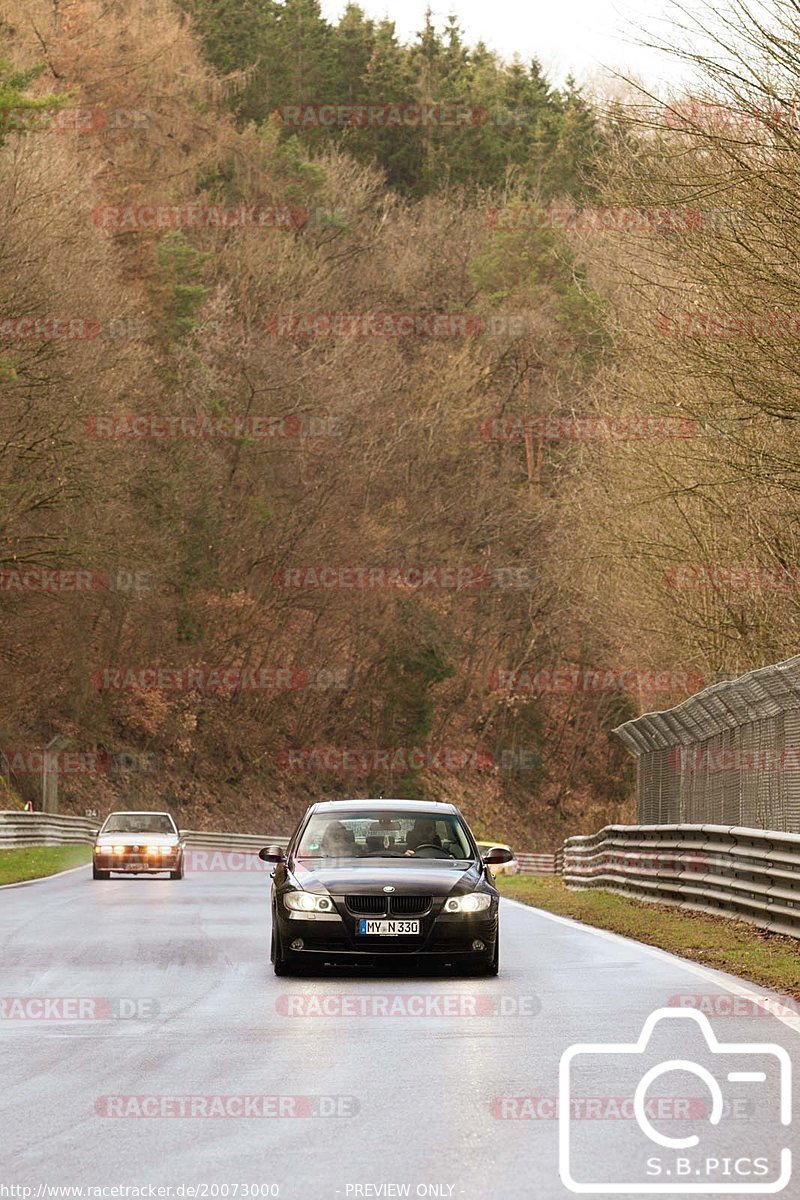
(424,1087)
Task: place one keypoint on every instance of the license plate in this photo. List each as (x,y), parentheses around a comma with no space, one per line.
(387,928)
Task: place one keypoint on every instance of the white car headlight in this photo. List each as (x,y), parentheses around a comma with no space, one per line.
(307,902)
(471,903)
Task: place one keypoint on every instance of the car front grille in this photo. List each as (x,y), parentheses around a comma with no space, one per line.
(381,906)
(406,905)
(366,906)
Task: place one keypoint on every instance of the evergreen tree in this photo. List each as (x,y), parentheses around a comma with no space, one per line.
(236,34)
(18,110)
(541,141)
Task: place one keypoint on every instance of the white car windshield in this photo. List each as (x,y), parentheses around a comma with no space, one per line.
(138,823)
(385,834)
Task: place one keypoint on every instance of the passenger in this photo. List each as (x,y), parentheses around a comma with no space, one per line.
(339,841)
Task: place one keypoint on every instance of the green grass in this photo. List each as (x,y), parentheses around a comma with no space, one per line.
(769,959)
(32,862)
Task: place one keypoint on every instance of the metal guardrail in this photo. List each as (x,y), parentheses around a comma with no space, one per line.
(537,864)
(54,829)
(231,841)
(752,875)
(44,829)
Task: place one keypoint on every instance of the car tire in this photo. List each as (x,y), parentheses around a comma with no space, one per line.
(100,874)
(177,874)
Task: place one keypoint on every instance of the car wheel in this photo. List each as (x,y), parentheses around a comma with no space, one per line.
(100,874)
(177,874)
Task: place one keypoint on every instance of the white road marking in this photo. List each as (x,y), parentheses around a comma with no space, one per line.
(790,1020)
(44,878)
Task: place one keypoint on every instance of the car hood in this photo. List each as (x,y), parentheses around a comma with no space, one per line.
(138,839)
(353,876)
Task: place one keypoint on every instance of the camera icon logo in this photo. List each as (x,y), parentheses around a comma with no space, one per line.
(707,1153)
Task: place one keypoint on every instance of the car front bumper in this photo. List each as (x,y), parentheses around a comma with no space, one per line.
(458,939)
(131,863)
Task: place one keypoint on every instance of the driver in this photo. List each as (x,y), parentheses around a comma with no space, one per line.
(423,833)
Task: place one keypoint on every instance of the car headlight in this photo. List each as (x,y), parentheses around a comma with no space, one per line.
(119,849)
(167,849)
(153,849)
(471,903)
(307,902)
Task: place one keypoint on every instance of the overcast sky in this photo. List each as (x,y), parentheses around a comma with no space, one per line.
(566,35)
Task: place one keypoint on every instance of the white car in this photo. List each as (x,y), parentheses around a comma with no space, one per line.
(138,843)
(506,868)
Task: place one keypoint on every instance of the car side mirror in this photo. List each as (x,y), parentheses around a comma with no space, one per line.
(272,854)
(497,856)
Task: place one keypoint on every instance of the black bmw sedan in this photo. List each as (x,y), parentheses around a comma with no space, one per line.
(373,881)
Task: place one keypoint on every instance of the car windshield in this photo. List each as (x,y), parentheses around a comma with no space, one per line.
(385,834)
(138,823)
